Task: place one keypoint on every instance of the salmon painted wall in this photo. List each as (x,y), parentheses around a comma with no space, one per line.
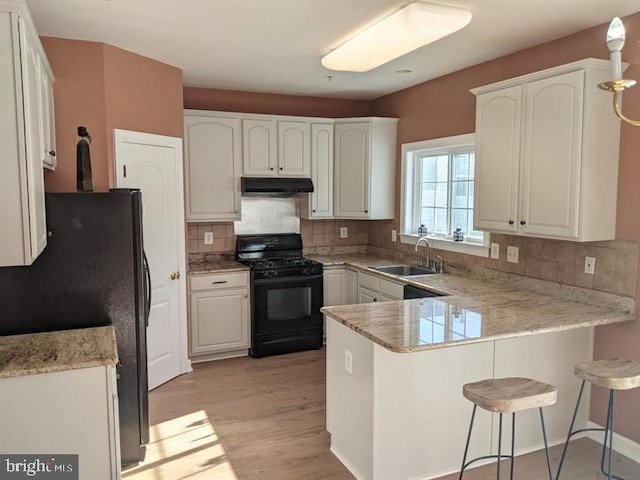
(79,100)
(103,87)
(274,104)
(142,95)
(445,107)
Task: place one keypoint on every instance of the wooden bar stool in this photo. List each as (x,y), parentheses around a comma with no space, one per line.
(611,374)
(508,395)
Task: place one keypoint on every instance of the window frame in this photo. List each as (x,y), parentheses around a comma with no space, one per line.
(410,184)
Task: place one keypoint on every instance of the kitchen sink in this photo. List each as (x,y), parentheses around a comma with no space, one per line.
(404,270)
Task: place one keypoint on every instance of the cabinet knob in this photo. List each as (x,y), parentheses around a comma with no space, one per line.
(313,211)
(522,222)
(271,168)
(52,153)
(510,222)
(246,295)
(281,168)
(366,211)
(375,299)
(237,211)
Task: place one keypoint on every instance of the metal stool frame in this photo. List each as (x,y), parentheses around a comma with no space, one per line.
(499,456)
(608,433)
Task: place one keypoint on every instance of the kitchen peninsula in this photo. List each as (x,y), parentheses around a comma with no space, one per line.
(395,370)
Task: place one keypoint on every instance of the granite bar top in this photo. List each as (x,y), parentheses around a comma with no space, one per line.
(200,264)
(57,351)
(478,307)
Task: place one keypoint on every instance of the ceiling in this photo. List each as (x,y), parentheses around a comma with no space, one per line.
(276,45)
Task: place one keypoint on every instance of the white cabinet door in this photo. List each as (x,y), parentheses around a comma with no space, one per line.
(352,173)
(47,118)
(334,288)
(498,117)
(259,147)
(212,167)
(366,296)
(294,149)
(351,287)
(34,141)
(319,204)
(73,411)
(551,156)
(219,320)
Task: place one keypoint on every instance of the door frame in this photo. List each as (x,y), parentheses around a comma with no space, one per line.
(121,136)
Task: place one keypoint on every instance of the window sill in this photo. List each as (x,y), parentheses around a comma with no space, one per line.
(469,248)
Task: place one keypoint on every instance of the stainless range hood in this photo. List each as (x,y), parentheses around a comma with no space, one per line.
(275,186)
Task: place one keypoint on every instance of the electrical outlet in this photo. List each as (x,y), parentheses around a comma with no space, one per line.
(344,233)
(590,265)
(208,238)
(495,250)
(348,361)
(394,236)
(512,254)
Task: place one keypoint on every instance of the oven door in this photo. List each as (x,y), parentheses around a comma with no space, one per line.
(286,304)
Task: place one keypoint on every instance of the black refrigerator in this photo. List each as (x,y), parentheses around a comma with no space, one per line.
(93,272)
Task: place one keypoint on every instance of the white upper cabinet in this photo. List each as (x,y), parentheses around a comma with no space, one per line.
(364,168)
(294,149)
(319,204)
(547,147)
(27,136)
(212,166)
(276,146)
(259,147)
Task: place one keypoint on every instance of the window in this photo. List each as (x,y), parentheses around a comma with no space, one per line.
(438,190)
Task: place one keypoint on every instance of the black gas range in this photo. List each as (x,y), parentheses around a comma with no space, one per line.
(286,294)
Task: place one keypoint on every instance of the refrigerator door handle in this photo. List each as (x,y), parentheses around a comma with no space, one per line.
(147,287)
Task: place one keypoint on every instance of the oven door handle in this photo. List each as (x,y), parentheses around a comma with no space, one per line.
(281,280)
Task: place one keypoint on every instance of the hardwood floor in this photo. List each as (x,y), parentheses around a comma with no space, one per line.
(246,419)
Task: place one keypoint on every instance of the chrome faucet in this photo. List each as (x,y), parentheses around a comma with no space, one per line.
(426,244)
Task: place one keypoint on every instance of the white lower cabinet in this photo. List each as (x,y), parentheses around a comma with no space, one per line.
(372,288)
(74,411)
(334,286)
(219,315)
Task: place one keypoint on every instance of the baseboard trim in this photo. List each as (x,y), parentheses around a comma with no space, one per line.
(621,444)
(354,471)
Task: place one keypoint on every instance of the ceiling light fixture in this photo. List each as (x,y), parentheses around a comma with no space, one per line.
(409,28)
(615,42)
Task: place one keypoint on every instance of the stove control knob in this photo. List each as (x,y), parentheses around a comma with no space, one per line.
(274,273)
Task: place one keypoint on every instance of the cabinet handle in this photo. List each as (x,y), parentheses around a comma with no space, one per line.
(218,282)
(52,153)
(522,222)
(510,222)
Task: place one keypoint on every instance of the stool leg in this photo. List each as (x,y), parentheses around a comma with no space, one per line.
(499,446)
(573,420)
(546,446)
(513,442)
(608,432)
(466,447)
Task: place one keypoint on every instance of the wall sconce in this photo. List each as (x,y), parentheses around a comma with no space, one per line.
(615,42)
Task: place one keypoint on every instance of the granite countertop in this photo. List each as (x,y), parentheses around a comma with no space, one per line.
(478,307)
(57,351)
(213,263)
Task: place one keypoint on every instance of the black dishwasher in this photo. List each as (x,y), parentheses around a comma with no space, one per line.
(414,292)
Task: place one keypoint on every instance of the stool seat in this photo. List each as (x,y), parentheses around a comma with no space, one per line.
(513,394)
(614,374)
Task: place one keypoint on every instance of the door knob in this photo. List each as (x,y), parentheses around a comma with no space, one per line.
(174,275)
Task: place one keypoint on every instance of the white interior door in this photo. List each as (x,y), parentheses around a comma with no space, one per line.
(153,163)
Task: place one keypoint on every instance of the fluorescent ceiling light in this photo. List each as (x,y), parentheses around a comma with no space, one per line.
(413,26)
